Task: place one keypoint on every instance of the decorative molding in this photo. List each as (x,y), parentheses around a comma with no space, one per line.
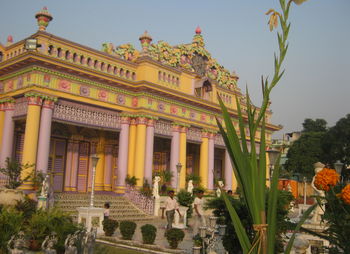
(163,128)
(194,134)
(86,115)
(21,107)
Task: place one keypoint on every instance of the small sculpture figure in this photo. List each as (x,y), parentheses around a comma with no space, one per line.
(318,212)
(218,190)
(48,244)
(89,241)
(190,187)
(69,244)
(45,187)
(156,187)
(19,243)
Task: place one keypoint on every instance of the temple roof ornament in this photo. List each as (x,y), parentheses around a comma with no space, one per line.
(192,57)
(9,40)
(43,18)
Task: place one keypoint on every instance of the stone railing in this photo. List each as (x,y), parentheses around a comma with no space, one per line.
(3,180)
(143,202)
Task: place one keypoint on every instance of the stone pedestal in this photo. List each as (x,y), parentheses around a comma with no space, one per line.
(42,202)
(177,223)
(10,196)
(91,216)
(156,206)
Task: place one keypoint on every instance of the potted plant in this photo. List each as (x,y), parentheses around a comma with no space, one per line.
(149,233)
(127,229)
(174,236)
(12,171)
(109,226)
(197,244)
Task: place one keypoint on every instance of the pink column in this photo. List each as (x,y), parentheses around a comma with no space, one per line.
(108,168)
(211,161)
(149,151)
(228,171)
(123,153)
(174,154)
(44,136)
(75,164)
(68,170)
(8,132)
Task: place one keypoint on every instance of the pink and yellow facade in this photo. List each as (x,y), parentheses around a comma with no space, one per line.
(141,111)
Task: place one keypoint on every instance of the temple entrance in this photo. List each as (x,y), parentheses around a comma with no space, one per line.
(192,162)
(56,163)
(219,161)
(161,155)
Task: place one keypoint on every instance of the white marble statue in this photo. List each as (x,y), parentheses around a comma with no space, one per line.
(156,187)
(190,187)
(218,190)
(17,244)
(49,243)
(318,212)
(45,187)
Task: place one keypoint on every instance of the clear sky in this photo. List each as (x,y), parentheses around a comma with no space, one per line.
(316,83)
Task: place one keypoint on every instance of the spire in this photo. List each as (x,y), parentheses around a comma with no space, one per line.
(43,18)
(198,38)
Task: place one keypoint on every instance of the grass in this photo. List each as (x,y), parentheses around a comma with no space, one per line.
(105,249)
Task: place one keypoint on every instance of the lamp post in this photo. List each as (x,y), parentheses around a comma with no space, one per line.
(94,160)
(338,167)
(178,168)
(304,180)
(273,155)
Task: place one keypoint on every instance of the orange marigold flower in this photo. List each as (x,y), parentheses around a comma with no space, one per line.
(345,194)
(325,178)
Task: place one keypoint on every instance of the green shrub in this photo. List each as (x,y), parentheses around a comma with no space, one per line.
(109,226)
(132,181)
(43,222)
(27,207)
(127,229)
(11,222)
(149,233)
(174,236)
(186,199)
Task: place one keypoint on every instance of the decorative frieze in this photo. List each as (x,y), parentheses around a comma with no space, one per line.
(86,115)
(194,134)
(163,128)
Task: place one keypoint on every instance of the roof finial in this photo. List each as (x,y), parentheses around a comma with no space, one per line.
(145,40)
(9,40)
(198,30)
(43,18)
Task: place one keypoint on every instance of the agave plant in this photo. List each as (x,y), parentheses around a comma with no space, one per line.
(249,165)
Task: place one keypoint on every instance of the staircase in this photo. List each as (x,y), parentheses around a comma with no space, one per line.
(120,207)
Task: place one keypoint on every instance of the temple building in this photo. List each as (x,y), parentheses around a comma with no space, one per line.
(142,112)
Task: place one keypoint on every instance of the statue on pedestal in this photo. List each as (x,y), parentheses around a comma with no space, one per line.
(156,187)
(42,202)
(48,244)
(89,241)
(17,244)
(70,244)
(190,187)
(218,190)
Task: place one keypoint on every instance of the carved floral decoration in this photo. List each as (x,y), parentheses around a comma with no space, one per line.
(64,85)
(180,56)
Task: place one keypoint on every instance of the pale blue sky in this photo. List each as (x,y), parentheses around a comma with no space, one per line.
(315,85)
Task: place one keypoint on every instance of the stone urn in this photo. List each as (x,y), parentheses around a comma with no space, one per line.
(10,196)
(196,249)
(300,245)
(177,223)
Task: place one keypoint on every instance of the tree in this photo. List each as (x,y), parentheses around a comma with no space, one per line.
(336,142)
(318,125)
(13,171)
(307,150)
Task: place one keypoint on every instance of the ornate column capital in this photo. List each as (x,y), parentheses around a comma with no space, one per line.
(47,103)
(125,119)
(205,134)
(181,127)
(7,104)
(34,99)
(151,122)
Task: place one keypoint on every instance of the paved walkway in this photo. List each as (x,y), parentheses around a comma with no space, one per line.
(161,240)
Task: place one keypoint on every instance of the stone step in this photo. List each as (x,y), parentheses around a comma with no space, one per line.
(120,207)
